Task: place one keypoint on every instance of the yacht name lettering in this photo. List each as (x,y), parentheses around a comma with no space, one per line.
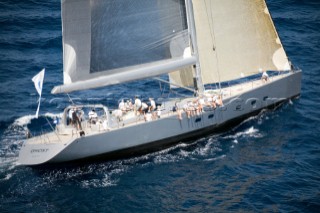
(39,150)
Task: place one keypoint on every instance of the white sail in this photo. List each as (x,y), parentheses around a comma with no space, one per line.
(179,45)
(236,38)
(105,37)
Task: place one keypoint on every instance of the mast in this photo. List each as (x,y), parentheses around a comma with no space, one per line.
(192,31)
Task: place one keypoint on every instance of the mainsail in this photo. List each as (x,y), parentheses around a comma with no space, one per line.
(108,42)
(235,39)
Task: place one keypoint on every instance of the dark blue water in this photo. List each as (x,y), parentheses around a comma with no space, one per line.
(267,163)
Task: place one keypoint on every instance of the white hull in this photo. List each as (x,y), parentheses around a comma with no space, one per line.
(165,131)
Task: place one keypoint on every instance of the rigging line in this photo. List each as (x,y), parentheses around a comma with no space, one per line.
(174,84)
(52,129)
(213,38)
(70,99)
(177,93)
(210,27)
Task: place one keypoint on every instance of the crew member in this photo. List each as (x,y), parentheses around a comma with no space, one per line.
(265,77)
(93,117)
(137,104)
(152,106)
(76,120)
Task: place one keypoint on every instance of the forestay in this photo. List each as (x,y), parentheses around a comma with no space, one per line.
(113,41)
(235,39)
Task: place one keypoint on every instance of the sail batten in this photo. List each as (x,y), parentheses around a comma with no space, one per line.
(136,73)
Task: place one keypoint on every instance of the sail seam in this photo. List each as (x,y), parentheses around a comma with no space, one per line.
(213,38)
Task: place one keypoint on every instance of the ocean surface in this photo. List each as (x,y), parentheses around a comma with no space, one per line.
(270,162)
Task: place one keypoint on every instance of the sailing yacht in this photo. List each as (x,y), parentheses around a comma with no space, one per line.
(217,49)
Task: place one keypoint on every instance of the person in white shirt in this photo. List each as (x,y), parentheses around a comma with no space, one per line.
(70,116)
(219,101)
(137,104)
(129,105)
(122,106)
(93,117)
(265,77)
(158,112)
(152,105)
(144,108)
(187,110)
(76,120)
(148,116)
(201,103)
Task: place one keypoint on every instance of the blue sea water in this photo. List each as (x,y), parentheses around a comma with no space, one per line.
(269,162)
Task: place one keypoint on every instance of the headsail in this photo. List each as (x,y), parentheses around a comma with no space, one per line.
(235,38)
(103,38)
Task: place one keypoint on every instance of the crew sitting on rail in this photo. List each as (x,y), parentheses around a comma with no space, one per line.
(152,106)
(137,104)
(93,117)
(158,112)
(188,108)
(264,77)
(177,109)
(144,108)
(129,105)
(219,101)
(208,101)
(215,101)
(201,103)
(148,116)
(122,106)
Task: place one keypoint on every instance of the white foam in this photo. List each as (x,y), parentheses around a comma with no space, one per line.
(205,150)
(184,153)
(53,115)
(24,120)
(7,177)
(290,102)
(252,132)
(99,183)
(8,165)
(249,132)
(168,158)
(216,158)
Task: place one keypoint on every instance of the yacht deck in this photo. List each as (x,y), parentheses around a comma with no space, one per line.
(64,134)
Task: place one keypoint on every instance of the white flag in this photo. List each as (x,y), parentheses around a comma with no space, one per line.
(38,82)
